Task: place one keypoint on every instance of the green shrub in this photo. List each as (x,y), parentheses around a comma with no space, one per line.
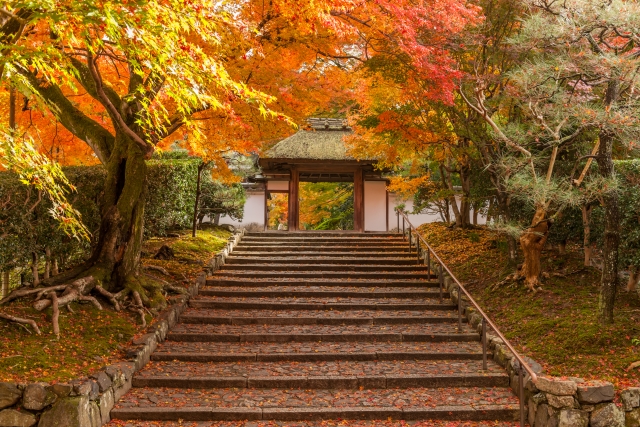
(26,226)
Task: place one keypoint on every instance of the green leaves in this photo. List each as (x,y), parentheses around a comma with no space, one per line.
(35,169)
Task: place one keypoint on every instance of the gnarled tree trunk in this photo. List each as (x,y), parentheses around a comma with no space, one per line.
(532,243)
(116,257)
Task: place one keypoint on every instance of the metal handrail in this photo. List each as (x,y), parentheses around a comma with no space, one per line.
(485,319)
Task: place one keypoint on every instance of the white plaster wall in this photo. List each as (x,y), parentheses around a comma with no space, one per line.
(375,206)
(253,211)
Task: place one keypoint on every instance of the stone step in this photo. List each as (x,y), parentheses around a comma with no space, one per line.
(460,403)
(235,259)
(384,317)
(208,352)
(360,283)
(323,249)
(255,319)
(296,292)
(387,304)
(314,274)
(339,337)
(320,233)
(332,374)
(321,382)
(433,332)
(384,244)
(417,268)
(310,423)
(239,252)
(324,239)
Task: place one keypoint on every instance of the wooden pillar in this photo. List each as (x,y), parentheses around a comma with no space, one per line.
(266,207)
(358,200)
(294,182)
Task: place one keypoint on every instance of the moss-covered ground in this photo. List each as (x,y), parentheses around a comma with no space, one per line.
(557,326)
(91,339)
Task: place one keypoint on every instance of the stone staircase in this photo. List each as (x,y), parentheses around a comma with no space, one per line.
(311,326)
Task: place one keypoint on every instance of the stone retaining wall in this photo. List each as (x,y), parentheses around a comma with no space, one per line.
(558,402)
(87,402)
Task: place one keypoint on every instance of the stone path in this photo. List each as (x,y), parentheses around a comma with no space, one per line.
(320,329)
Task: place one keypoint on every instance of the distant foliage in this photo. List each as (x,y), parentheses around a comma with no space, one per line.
(326,206)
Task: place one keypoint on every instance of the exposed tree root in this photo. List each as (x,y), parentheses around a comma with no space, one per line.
(23,292)
(138,293)
(111,297)
(91,299)
(72,292)
(168,287)
(21,321)
(157,268)
(139,308)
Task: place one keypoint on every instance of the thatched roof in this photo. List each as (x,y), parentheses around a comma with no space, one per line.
(311,144)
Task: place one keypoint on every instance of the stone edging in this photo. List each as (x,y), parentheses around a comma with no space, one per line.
(553,401)
(87,402)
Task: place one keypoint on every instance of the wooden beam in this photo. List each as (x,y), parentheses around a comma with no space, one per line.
(358,201)
(294,184)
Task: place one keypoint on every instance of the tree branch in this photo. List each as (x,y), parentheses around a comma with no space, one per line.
(89,85)
(147,149)
(98,138)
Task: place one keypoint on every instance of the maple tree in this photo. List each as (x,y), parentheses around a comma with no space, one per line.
(125,78)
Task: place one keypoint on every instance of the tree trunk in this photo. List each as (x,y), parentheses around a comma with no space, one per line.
(532,243)
(34,268)
(5,283)
(634,278)
(116,256)
(216,219)
(54,266)
(465,204)
(475,216)
(562,247)
(609,281)
(452,197)
(586,225)
(201,167)
(47,263)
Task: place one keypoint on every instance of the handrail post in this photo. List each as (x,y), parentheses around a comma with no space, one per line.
(484,344)
(459,309)
(403,228)
(398,220)
(440,281)
(409,239)
(429,262)
(521,392)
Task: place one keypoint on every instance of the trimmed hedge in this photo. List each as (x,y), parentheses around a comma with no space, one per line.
(26,226)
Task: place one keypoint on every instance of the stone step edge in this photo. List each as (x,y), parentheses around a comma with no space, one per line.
(272,320)
(326,381)
(356,337)
(321,274)
(202,303)
(452,413)
(215,282)
(159,356)
(326,294)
